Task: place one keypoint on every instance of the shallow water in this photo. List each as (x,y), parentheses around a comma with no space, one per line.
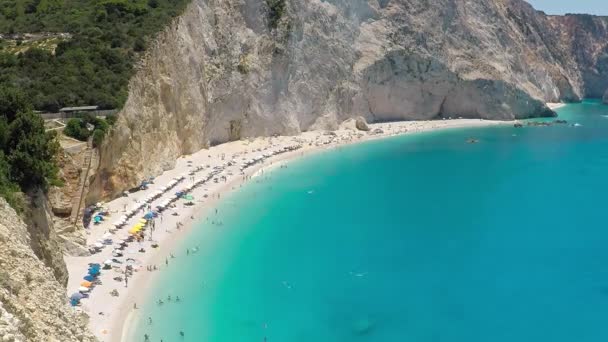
(414,238)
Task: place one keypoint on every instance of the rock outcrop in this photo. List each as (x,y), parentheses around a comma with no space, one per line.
(355,124)
(230,69)
(33,304)
(42,237)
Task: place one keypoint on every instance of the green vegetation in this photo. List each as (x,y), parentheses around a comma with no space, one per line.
(77,128)
(27,152)
(91,68)
(277,10)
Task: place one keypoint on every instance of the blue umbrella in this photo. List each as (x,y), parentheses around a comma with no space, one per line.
(89,278)
(94,272)
(97,218)
(77,296)
(149,215)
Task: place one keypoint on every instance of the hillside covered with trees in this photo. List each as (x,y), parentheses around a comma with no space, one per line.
(27,152)
(92,66)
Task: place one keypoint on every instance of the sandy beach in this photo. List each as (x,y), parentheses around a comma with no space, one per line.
(111,315)
(555,106)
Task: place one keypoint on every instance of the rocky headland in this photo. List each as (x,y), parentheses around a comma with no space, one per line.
(227,70)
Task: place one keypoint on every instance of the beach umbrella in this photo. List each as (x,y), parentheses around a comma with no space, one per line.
(189,197)
(143,220)
(97,219)
(88,278)
(98,245)
(135,229)
(149,215)
(86,284)
(83,289)
(94,272)
(108,262)
(106,236)
(76,296)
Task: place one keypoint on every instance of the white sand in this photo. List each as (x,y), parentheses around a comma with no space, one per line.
(117,312)
(554,106)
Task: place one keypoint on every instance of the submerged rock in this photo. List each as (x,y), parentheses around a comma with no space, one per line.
(363,326)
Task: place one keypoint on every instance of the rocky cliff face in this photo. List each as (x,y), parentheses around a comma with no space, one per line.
(228,69)
(33,304)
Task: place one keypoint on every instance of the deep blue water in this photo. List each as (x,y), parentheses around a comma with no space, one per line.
(414,238)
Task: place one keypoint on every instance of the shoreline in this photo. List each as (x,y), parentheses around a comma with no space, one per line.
(112,318)
(555,105)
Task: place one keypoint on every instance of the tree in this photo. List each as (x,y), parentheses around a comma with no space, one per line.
(12,101)
(32,151)
(139,45)
(8,189)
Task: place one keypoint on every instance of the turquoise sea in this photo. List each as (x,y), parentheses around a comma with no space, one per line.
(414,238)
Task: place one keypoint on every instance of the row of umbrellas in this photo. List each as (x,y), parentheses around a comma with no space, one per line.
(254,160)
(95,269)
(86,284)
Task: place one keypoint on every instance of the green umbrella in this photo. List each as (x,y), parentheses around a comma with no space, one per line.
(189,197)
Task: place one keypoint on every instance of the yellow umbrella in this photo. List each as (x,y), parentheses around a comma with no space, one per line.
(135,229)
(140,225)
(143,220)
(86,284)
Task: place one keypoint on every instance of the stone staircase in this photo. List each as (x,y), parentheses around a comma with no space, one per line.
(78,200)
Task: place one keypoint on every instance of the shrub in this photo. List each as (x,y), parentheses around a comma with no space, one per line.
(277,9)
(111,119)
(98,135)
(77,129)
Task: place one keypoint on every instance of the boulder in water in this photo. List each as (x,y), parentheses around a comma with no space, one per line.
(363,326)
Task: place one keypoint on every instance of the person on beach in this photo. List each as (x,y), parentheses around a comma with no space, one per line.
(166,261)
(135,306)
(149,320)
(146,337)
(181,333)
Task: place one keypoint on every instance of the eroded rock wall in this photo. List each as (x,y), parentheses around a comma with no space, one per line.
(33,304)
(229,69)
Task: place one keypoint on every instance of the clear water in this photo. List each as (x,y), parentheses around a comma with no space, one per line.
(415,238)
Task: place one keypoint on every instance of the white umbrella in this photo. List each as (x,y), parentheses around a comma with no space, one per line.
(108,262)
(83,289)
(107,236)
(98,245)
